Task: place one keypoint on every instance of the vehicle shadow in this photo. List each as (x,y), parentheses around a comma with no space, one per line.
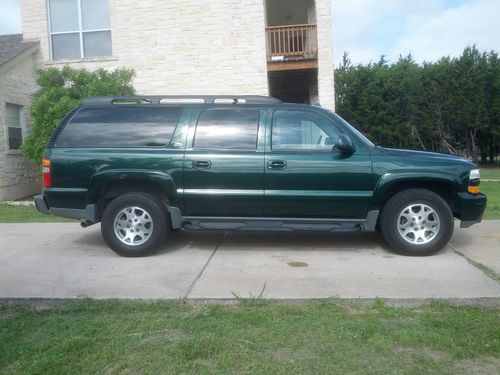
(318,241)
(248,241)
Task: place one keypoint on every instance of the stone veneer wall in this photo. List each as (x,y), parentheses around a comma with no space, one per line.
(190,46)
(18,177)
(325,54)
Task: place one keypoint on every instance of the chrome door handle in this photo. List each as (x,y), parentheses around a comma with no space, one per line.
(276,164)
(201,164)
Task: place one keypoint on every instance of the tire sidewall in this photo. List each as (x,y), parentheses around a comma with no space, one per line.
(155,209)
(395,206)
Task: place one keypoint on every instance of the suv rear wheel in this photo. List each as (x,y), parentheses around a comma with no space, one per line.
(134,224)
(417,222)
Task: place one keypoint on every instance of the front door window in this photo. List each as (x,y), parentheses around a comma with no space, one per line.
(302,131)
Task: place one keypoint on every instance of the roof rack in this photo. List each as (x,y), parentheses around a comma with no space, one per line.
(164,99)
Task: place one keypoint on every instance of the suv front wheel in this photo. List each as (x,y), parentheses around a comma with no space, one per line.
(134,224)
(417,222)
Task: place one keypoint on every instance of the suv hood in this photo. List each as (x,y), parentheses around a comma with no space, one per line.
(426,155)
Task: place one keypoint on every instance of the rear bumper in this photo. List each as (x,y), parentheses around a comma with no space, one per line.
(472,207)
(40,204)
(89,213)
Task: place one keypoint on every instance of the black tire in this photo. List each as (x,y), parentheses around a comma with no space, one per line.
(156,217)
(390,221)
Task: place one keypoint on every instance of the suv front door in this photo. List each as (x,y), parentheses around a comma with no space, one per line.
(224,167)
(305,177)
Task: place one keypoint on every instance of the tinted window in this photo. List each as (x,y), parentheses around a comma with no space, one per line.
(232,129)
(299,130)
(120,126)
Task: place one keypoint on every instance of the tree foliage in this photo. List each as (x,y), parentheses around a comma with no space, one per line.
(452,105)
(61,91)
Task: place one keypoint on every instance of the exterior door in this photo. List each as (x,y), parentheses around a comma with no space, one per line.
(305,178)
(224,168)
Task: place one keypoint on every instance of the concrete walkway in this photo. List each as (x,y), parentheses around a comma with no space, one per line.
(65,261)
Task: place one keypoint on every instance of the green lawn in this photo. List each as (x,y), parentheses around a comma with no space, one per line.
(492,191)
(250,337)
(490,173)
(25,214)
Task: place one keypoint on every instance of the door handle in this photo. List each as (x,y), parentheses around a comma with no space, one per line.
(276,164)
(201,164)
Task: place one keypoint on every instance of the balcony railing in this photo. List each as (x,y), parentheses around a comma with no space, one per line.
(291,43)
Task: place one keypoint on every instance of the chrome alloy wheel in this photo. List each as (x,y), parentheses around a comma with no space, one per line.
(418,224)
(133,226)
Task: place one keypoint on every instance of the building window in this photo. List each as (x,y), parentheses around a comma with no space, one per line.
(79,29)
(13,120)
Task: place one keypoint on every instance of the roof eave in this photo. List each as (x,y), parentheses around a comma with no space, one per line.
(14,60)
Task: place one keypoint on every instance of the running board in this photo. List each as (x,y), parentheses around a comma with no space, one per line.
(281,224)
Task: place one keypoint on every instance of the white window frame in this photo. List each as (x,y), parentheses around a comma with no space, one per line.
(80,31)
(22,124)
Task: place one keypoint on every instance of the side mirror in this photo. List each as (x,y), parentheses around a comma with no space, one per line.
(344,145)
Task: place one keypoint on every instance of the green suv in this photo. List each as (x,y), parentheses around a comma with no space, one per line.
(145,166)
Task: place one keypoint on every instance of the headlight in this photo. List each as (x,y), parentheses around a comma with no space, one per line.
(474,178)
(474,174)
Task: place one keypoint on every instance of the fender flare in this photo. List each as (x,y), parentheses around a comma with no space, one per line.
(101,180)
(389,179)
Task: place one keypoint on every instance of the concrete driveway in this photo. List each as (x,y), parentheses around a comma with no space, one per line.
(65,261)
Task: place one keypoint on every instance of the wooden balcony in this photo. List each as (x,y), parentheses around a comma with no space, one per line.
(292,47)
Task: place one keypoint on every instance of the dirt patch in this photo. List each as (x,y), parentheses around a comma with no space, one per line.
(290,355)
(298,264)
(479,366)
(7,315)
(435,355)
(169,334)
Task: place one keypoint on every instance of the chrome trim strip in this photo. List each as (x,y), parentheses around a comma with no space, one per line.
(221,191)
(274,193)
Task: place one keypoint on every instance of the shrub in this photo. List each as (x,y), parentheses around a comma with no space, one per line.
(61,91)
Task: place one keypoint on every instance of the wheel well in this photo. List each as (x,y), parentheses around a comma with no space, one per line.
(117,188)
(443,189)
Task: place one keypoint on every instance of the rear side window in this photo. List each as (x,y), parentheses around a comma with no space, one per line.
(120,126)
(227,129)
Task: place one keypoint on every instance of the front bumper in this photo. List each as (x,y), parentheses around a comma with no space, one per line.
(472,207)
(89,213)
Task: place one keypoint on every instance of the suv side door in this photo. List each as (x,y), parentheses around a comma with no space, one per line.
(305,177)
(224,162)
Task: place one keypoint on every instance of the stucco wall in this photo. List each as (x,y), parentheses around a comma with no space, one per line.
(190,46)
(18,177)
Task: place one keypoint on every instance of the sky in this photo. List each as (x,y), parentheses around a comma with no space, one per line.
(10,17)
(428,29)
(367,29)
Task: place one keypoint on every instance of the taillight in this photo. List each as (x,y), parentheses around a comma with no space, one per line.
(46,173)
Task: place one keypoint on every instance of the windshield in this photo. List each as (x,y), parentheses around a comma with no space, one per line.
(352,128)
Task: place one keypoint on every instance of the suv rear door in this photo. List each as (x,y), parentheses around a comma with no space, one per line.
(224,162)
(304,177)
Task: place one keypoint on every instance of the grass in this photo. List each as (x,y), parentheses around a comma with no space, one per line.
(25,214)
(492,190)
(311,337)
(490,173)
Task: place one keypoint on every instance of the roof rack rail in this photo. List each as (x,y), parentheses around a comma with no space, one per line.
(158,99)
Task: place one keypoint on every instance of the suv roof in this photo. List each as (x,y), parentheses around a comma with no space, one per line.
(181,99)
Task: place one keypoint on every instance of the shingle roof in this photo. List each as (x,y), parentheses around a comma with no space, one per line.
(13,45)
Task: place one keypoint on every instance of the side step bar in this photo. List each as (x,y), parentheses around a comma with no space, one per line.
(282,224)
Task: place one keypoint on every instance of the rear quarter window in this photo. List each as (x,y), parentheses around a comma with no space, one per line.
(120,126)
